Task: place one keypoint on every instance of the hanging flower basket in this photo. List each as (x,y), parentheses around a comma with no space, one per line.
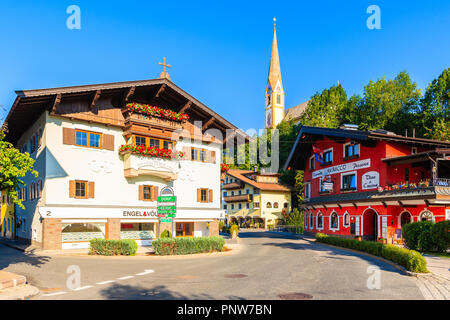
(157,112)
(152,152)
(224,167)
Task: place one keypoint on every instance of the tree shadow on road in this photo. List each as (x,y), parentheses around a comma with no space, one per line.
(160,292)
(10,257)
(328,252)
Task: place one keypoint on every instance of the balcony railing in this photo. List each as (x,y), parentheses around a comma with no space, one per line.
(155,121)
(240,198)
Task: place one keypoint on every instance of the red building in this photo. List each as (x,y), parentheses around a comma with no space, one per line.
(370,183)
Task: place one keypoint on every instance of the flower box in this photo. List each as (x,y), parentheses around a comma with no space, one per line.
(153,152)
(148,110)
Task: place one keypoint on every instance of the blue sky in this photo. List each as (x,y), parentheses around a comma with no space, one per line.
(220,49)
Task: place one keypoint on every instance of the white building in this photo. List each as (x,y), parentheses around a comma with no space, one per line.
(93,183)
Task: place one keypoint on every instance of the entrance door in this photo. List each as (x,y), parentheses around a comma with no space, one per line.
(370,225)
(185,229)
(405,218)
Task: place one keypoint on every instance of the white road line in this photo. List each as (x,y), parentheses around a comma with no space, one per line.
(145,272)
(54,294)
(105,282)
(82,288)
(125,278)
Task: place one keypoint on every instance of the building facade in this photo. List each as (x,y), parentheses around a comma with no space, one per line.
(370,183)
(104,153)
(254,198)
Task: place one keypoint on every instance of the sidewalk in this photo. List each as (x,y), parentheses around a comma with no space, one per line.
(15,287)
(19,245)
(436,287)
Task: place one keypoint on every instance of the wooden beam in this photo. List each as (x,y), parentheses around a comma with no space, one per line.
(55,103)
(354,204)
(186,107)
(95,99)
(128,94)
(401,204)
(384,204)
(340,207)
(208,123)
(427,203)
(160,91)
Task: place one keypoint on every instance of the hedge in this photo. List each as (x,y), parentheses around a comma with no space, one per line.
(410,259)
(426,236)
(104,247)
(177,246)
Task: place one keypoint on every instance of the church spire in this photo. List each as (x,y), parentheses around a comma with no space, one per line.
(275,69)
(274,110)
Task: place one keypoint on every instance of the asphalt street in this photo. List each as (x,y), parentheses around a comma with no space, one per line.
(266,266)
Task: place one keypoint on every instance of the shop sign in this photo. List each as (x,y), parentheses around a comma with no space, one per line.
(167,220)
(370,180)
(138,213)
(342,168)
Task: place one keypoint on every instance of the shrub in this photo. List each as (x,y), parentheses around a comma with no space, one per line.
(166,234)
(104,247)
(410,259)
(177,246)
(441,236)
(233,228)
(221,225)
(426,236)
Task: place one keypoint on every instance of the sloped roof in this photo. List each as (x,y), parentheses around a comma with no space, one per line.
(240,174)
(296,112)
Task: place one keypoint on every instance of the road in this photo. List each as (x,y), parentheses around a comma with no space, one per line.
(265,266)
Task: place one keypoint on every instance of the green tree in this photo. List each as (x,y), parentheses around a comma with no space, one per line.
(295,218)
(435,108)
(14,165)
(389,105)
(324,108)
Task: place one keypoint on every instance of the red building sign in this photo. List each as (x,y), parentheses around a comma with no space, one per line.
(370,183)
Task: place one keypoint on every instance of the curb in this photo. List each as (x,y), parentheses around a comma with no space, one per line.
(393,264)
(16,247)
(11,280)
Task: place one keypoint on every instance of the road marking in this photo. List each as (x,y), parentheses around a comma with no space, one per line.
(105,282)
(54,294)
(82,288)
(125,278)
(145,272)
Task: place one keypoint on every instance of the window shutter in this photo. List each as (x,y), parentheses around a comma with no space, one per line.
(187,153)
(91,189)
(199,195)
(156,193)
(108,142)
(152,193)
(210,198)
(71,189)
(68,136)
(212,157)
(141,193)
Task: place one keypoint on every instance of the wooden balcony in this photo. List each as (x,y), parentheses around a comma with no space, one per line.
(233,185)
(239,198)
(157,122)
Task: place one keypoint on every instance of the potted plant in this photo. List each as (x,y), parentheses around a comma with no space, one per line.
(358,238)
(382,240)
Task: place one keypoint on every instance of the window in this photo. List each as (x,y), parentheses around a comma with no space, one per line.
(286,205)
(155,143)
(82,232)
(256,205)
(278,99)
(88,139)
(147,193)
(225,194)
(232,207)
(240,206)
(199,155)
(204,195)
(351,151)
(328,157)
(414,150)
(306,221)
(80,189)
(275,205)
(247,205)
(426,216)
(247,191)
(312,163)
(138,231)
(311,221)
(348,182)
(256,191)
(185,229)
(346,219)
(334,221)
(240,192)
(269,205)
(307,190)
(225,206)
(168,145)
(320,220)
(141,141)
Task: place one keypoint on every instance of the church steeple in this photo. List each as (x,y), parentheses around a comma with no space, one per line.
(274,111)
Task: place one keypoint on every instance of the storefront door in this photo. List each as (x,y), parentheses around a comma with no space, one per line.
(185,229)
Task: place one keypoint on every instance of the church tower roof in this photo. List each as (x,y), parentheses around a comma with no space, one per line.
(275,69)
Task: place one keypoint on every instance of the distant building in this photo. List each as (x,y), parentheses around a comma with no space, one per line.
(254,196)
(7,219)
(294,114)
(370,183)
